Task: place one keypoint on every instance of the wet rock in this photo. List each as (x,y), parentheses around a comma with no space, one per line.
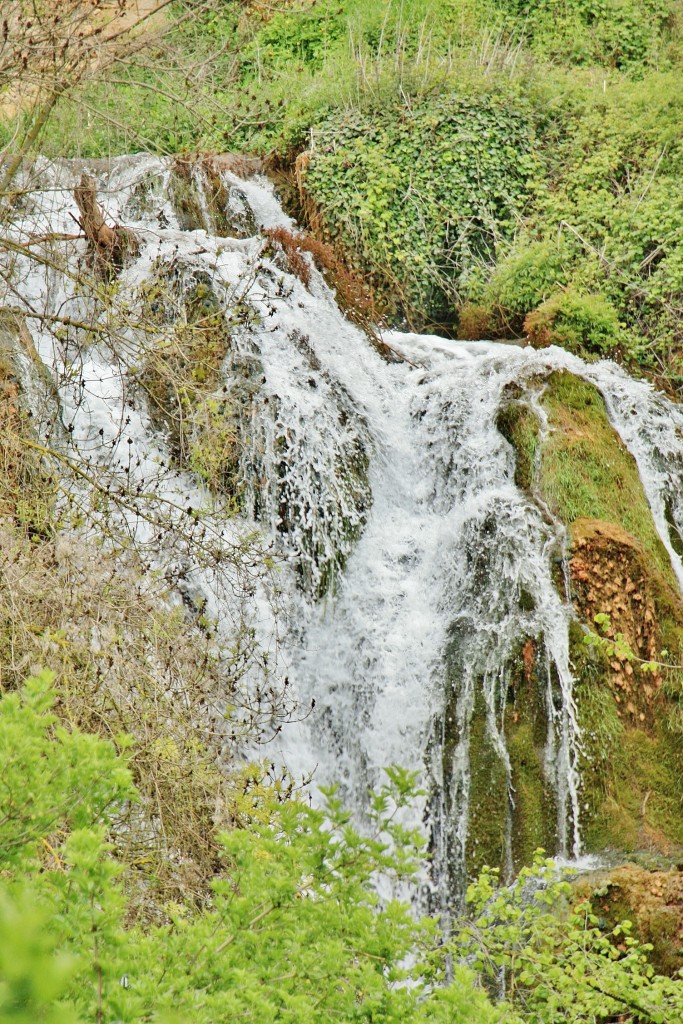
(649,896)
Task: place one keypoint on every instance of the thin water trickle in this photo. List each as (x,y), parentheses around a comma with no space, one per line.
(410,565)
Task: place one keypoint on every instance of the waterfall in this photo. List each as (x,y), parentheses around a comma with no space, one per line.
(406,567)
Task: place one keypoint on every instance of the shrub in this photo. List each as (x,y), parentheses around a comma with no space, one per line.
(580,323)
(552,957)
(617,33)
(423,197)
(524,279)
(295,930)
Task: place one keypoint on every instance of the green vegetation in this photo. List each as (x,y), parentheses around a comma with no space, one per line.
(630,718)
(579,323)
(483,164)
(584,470)
(490,169)
(560,966)
(294,930)
(423,197)
(587,473)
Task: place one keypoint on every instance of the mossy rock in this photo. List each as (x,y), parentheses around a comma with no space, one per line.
(530,809)
(651,898)
(489,798)
(209,204)
(518,424)
(506,823)
(633,758)
(586,471)
(187,204)
(631,720)
(185,376)
(534,817)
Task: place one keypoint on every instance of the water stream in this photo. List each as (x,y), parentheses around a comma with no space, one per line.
(408,565)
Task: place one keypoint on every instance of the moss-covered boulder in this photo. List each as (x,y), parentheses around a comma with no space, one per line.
(571,461)
(648,895)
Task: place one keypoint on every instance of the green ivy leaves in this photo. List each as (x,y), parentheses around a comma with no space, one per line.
(421,196)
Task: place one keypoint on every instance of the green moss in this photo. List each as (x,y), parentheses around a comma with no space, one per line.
(183,373)
(605,823)
(186,202)
(647,773)
(518,425)
(586,472)
(534,820)
(643,805)
(488,796)
(532,814)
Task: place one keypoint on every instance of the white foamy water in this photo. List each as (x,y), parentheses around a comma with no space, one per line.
(409,565)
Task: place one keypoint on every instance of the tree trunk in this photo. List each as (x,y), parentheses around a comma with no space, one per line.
(109,245)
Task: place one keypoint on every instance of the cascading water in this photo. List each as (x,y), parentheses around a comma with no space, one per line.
(411,568)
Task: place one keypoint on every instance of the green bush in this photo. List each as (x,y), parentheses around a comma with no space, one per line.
(624,34)
(579,323)
(558,965)
(295,930)
(423,198)
(525,278)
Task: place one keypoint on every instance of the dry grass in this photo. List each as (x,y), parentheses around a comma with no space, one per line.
(127,662)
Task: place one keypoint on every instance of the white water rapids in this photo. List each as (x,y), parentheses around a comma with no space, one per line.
(410,565)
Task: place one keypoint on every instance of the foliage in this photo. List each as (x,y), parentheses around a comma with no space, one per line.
(127,662)
(617,33)
(597,210)
(523,280)
(295,930)
(579,323)
(423,198)
(53,779)
(614,645)
(559,966)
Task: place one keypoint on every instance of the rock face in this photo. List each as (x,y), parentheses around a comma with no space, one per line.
(571,462)
(651,898)
(577,467)
(633,749)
